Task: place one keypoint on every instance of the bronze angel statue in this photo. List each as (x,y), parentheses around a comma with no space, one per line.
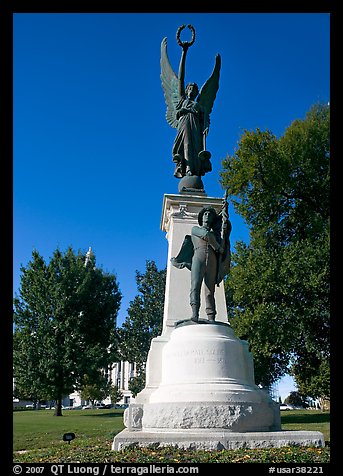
(188,110)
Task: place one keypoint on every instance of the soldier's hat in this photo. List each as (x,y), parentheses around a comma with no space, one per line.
(205,209)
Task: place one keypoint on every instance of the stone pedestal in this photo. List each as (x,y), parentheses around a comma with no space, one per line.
(218,440)
(179,215)
(207,384)
(200,391)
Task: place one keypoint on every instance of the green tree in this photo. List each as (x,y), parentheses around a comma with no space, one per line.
(115,394)
(144,321)
(296,399)
(65,325)
(28,385)
(278,289)
(95,390)
(137,383)
(312,374)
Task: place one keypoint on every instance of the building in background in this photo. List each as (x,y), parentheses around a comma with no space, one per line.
(119,374)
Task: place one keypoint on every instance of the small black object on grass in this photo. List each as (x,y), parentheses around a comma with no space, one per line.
(68,437)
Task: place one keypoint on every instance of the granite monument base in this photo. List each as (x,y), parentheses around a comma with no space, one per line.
(216,440)
(207,398)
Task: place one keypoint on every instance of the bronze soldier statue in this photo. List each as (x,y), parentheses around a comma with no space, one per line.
(206,252)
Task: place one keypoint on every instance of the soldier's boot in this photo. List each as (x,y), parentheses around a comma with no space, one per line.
(195,312)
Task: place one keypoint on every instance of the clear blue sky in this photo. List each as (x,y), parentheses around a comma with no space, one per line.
(92,148)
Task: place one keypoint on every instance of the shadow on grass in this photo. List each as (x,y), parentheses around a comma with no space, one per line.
(107,415)
(309,417)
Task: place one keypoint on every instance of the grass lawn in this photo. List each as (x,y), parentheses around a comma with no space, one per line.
(38,438)
(41,429)
(311,420)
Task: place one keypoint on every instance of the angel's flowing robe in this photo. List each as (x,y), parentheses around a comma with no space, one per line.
(189,139)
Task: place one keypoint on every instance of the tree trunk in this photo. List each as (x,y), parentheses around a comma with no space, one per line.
(58,406)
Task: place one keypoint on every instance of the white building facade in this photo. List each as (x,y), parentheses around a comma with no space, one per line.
(119,374)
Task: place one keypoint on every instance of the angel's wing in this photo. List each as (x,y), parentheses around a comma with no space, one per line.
(169,85)
(209,90)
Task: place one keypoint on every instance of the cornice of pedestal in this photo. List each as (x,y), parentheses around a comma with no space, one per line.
(182,206)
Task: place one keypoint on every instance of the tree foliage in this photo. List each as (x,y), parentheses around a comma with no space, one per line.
(296,399)
(115,394)
(278,289)
(65,325)
(144,321)
(95,390)
(137,383)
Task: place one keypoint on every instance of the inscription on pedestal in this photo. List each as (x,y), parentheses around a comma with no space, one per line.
(197,356)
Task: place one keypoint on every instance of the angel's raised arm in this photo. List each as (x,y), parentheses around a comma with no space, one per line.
(182,71)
